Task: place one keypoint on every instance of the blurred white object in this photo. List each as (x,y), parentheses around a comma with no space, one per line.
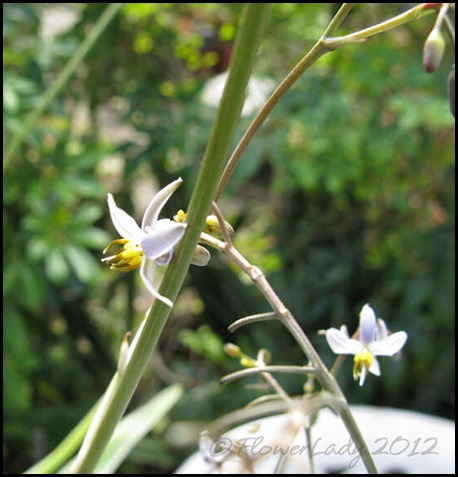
(57,18)
(258,91)
(401,442)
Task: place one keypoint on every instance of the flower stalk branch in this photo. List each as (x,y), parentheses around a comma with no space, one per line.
(323,375)
(247,320)
(267,369)
(325,44)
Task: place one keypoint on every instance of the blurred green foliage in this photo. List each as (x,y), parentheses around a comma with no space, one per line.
(346,196)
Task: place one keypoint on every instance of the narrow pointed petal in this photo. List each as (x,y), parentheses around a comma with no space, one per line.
(158,242)
(374,368)
(340,343)
(362,378)
(123,222)
(147,273)
(157,203)
(389,346)
(381,330)
(367,321)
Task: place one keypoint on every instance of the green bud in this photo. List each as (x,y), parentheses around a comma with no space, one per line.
(433,51)
(232,350)
(451,90)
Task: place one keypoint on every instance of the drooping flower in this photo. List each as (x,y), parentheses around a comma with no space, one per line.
(147,246)
(374,340)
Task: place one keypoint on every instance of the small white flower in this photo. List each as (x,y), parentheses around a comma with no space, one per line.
(147,246)
(373,341)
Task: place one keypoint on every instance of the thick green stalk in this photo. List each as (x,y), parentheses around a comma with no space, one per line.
(67,72)
(122,387)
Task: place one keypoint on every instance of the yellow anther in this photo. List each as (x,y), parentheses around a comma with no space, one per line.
(115,243)
(124,255)
(363,359)
(180,216)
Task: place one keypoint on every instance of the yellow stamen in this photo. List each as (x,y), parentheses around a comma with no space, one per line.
(180,216)
(124,255)
(363,359)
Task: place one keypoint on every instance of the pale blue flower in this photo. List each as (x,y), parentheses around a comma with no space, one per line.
(374,340)
(147,246)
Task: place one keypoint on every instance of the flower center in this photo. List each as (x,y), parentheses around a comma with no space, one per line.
(362,360)
(124,255)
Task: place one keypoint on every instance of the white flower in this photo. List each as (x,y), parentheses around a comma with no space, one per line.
(373,341)
(147,246)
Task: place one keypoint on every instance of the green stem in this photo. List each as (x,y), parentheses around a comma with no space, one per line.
(254,20)
(304,64)
(362,35)
(66,73)
(309,59)
(339,17)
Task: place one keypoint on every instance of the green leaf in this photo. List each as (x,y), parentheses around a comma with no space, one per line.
(133,428)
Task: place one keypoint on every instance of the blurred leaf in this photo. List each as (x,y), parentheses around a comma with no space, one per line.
(204,342)
(56,266)
(82,263)
(133,428)
(18,364)
(92,237)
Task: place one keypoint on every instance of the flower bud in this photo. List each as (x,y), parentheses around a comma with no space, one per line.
(213,227)
(433,51)
(201,256)
(451,90)
(232,350)
(248,362)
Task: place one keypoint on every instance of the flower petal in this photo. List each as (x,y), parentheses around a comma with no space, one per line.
(340,343)
(158,242)
(123,222)
(381,330)
(165,259)
(147,273)
(374,368)
(389,346)
(367,322)
(157,203)
(363,375)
